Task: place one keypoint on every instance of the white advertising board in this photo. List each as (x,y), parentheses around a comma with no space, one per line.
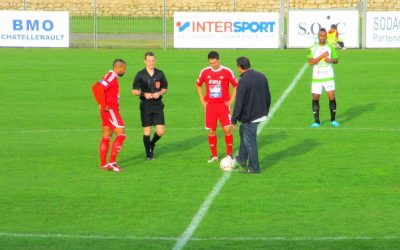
(303,26)
(383,29)
(34,29)
(226,30)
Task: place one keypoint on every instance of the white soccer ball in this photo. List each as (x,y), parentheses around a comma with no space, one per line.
(227,164)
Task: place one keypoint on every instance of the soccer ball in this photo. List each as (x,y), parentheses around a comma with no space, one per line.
(227,164)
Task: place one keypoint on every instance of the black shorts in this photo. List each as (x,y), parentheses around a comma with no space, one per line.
(152,113)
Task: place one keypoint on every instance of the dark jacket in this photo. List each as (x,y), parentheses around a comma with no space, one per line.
(252,97)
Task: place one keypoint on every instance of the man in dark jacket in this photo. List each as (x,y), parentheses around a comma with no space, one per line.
(251,107)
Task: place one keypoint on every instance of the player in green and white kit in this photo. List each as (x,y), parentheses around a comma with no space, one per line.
(322,55)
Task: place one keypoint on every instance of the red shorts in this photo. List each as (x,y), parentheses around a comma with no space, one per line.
(112,119)
(217,111)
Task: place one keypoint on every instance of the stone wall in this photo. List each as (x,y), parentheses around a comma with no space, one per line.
(155,7)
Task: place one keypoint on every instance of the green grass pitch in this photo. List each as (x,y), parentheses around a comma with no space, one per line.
(320,189)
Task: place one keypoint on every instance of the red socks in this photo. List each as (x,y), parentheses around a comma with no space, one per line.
(104,145)
(212,141)
(116,147)
(229,143)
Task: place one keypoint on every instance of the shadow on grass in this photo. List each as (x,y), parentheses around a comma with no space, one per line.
(299,149)
(164,148)
(180,147)
(352,113)
(136,159)
(268,139)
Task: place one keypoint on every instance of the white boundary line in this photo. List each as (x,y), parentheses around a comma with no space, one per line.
(185,237)
(102,237)
(343,129)
(187,234)
(326,238)
(282,98)
(201,128)
(92,130)
(70,236)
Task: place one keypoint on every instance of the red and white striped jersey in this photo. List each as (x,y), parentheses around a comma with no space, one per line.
(217,84)
(111,89)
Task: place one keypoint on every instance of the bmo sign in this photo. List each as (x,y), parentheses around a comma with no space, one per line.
(226,30)
(303,26)
(34,29)
(31,25)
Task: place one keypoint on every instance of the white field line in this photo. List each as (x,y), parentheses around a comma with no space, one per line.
(323,238)
(170,62)
(92,130)
(282,98)
(185,237)
(201,128)
(71,236)
(174,62)
(187,234)
(154,238)
(339,129)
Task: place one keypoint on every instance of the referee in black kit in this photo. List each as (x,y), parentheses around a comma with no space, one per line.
(150,84)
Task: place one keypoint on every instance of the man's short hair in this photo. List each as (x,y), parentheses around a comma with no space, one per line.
(322,30)
(148,54)
(243,63)
(118,61)
(333,26)
(213,55)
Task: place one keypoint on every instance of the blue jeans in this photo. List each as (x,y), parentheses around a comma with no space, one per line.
(248,150)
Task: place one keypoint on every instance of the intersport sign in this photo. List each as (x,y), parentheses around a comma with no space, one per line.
(303,26)
(226,30)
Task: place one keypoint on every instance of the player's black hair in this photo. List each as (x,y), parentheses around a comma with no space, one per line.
(213,55)
(243,63)
(322,30)
(119,60)
(148,54)
(333,26)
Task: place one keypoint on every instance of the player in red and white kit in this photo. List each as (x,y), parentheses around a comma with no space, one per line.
(217,101)
(106,92)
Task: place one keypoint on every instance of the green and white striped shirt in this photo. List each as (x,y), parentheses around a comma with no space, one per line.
(322,71)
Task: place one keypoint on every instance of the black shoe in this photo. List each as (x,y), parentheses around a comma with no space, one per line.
(152,151)
(150,158)
(243,165)
(249,171)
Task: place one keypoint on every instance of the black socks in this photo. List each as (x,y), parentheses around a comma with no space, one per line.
(149,144)
(315,107)
(146,142)
(332,107)
(156,137)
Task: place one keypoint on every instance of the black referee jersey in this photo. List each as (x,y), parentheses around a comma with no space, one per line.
(146,83)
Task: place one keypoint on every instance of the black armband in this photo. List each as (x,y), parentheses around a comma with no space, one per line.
(141,94)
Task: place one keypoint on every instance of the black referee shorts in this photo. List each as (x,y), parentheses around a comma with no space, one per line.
(152,113)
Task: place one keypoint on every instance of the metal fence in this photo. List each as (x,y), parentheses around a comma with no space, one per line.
(149,23)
